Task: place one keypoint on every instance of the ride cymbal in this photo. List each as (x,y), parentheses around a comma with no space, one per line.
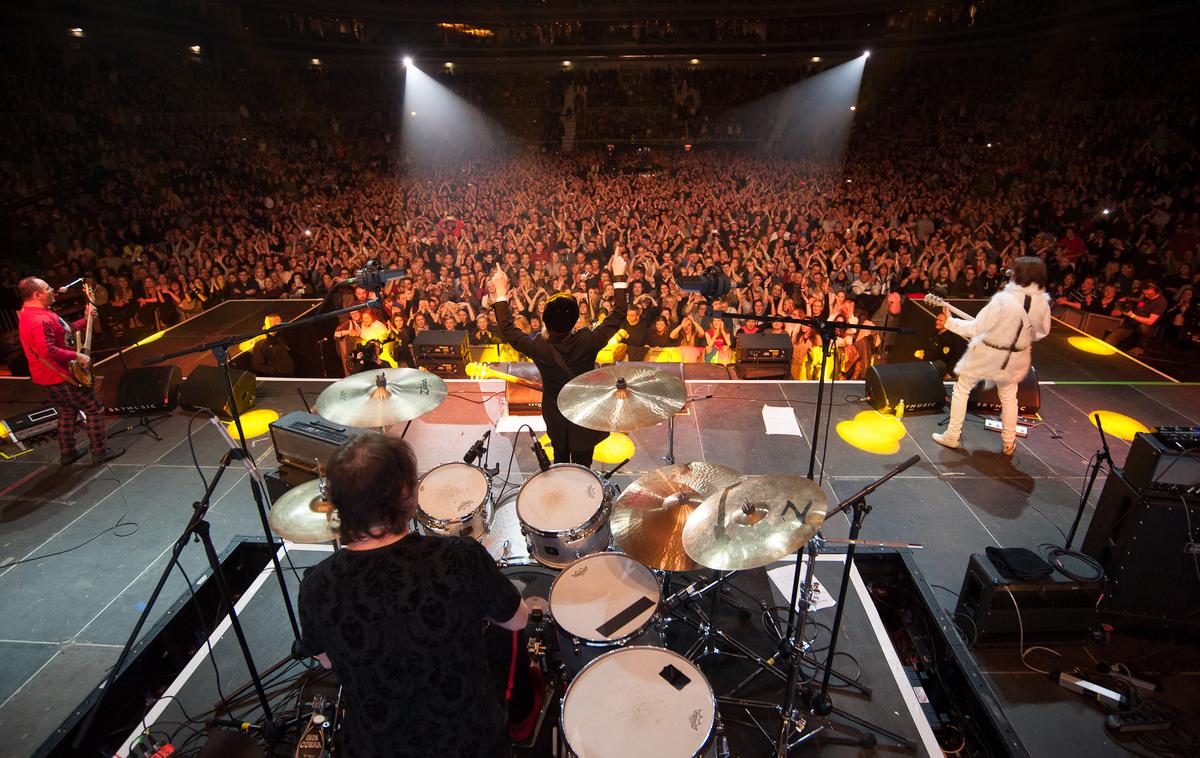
(756,521)
(622,398)
(649,516)
(303,515)
(381,398)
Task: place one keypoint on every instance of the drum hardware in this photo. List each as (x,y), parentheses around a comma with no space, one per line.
(669,458)
(807,717)
(621,398)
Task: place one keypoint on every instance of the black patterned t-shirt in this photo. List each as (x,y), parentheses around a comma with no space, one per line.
(402,626)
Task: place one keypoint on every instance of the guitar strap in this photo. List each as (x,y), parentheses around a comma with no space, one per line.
(1020,329)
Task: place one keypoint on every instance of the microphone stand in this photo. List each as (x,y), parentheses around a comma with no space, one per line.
(220,350)
(197,529)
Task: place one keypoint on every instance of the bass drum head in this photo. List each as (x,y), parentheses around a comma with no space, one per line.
(534,582)
(603,597)
(638,702)
(452,490)
(561,498)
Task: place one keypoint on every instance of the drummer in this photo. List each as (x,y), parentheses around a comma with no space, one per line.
(399,617)
(563,354)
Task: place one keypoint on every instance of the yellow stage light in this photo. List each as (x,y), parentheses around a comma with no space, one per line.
(151,338)
(873,432)
(1091,345)
(614,448)
(1118,424)
(254,423)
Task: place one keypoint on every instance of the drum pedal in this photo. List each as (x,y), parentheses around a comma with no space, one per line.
(547,702)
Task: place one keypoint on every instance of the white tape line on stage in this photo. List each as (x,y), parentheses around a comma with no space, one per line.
(202,653)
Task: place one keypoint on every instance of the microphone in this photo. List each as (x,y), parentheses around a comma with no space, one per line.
(542,459)
(66,287)
(238,453)
(476,449)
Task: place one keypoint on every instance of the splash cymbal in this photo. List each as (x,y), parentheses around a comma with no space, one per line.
(303,515)
(381,398)
(649,516)
(755,521)
(622,398)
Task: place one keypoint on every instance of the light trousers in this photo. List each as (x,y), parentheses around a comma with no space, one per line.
(958,408)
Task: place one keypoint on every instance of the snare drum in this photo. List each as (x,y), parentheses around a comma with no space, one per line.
(638,702)
(453,499)
(602,602)
(564,513)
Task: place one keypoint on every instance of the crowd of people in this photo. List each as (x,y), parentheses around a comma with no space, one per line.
(943,184)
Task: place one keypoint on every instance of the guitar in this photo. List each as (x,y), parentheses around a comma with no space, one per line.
(484,371)
(937,302)
(82,374)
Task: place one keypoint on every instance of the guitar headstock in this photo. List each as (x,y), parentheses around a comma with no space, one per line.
(477,370)
(934,300)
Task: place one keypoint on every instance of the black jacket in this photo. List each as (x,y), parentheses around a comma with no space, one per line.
(578,351)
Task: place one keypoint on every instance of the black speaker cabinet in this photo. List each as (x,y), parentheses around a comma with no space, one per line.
(1052,608)
(1149,545)
(764,348)
(205,388)
(986,400)
(148,389)
(917,383)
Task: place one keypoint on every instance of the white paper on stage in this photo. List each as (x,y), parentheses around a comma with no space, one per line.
(781,577)
(781,420)
(514,423)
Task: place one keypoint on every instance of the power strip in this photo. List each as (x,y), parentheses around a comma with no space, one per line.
(995,425)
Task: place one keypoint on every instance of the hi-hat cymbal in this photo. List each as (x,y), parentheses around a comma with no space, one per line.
(621,398)
(303,515)
(649,516)
(381,398)
(754,522)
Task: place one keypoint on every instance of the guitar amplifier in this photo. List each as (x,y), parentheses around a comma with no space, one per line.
(1052,608)
(522,400)
(764,348)
(306,440)
(1165,461)
(986,400)
(25,427)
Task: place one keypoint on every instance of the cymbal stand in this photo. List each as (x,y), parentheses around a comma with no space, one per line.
(707,644)
(669,458)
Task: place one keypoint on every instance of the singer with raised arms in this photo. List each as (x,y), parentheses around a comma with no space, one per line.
(562,354)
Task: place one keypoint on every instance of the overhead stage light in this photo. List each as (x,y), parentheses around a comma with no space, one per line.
(407,60)
(195,49)
(866,53)
(815,59)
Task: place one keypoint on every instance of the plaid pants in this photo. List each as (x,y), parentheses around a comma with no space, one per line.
(69,399)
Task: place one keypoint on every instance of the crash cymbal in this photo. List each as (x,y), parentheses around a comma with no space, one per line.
(756,521)
(649,516)
(381,398)
(303,515)
(621,398)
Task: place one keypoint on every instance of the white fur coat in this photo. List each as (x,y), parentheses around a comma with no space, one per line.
(997,324)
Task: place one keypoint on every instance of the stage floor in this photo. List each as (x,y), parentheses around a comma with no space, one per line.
(63,615)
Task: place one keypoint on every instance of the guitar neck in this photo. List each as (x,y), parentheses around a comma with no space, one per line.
(86,347)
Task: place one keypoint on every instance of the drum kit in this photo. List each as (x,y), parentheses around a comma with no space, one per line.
(599,564)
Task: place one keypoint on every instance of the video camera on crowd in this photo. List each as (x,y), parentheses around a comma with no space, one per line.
(712,284)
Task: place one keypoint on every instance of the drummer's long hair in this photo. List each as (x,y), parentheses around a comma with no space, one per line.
(373,485)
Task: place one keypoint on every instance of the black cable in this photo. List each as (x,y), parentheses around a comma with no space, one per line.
(207,638)
(1055,553)
(511,457)
(121,522)
(947,589)
(192,448)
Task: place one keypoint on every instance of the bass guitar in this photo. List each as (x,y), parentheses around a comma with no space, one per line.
(937,302)
(81,373)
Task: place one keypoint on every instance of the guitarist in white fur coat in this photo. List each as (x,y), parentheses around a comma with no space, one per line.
(999,352)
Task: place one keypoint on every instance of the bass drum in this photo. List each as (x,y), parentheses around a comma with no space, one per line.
(504,538)
(534,581)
